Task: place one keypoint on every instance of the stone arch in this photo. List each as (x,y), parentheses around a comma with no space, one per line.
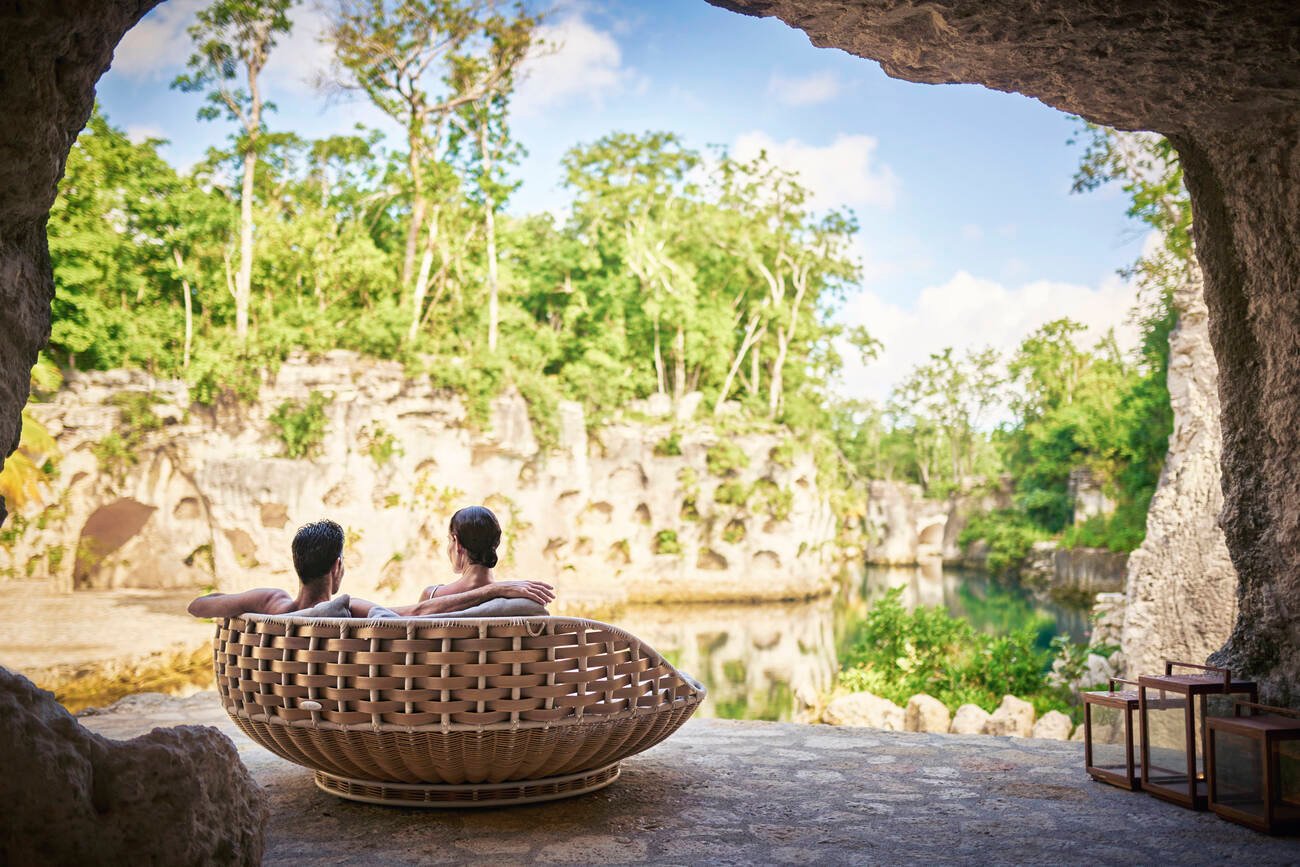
(929,534)
(106,530)
(1217,77)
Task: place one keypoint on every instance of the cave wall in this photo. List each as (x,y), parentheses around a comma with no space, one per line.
(51,56)
(1222,81)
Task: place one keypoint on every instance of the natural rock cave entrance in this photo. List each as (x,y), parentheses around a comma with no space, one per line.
(107,529)
(1219,79)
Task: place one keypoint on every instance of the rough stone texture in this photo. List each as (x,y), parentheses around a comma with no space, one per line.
(970,719)
(866,710)
(759,793)
(172,796)
(1054,726)
(925,713)
(209,496)
(902,526)
(1014,717)
(1107,618)
(1180,596)
(1221,80)
(50,58)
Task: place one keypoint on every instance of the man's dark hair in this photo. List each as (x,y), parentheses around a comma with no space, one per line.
(478,532)
(316,547)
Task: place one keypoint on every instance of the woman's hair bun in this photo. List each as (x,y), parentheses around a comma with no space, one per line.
(479,533)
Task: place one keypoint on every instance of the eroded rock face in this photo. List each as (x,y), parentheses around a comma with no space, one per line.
(173,796)
(1220,80)
(1180,595)
(50,58)
(208,500)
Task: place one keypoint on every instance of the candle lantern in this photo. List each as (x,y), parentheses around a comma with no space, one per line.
(1109,735)
(1254,767)
(1173,709)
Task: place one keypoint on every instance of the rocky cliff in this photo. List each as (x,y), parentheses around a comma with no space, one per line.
(642,510)
(1181,589)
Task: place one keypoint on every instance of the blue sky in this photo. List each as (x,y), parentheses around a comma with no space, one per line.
(970,235)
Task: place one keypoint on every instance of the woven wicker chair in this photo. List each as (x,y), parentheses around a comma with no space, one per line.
(449,713)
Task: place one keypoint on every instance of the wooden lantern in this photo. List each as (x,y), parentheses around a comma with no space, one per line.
(1173,709)
(1254,768)
(1108,735)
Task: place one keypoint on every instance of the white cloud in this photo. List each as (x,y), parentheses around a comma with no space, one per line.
(158,46)
(969,312)
(842,173)
(301,57)
(807,90)
(138,133)
(575,60)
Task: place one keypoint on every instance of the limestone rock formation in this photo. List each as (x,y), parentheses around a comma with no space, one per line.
(925,713)
(1219,78)
(209,501)
(970,719)
(864,709)
(1053,726)
(902,526)
(1014,717)
(1181,592)
(173,796)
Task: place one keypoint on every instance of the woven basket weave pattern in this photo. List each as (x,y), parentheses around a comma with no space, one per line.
(448,701)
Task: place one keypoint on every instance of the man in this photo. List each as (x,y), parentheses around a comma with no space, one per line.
(318,560)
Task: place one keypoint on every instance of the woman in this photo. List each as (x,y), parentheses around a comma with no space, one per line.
(472,540)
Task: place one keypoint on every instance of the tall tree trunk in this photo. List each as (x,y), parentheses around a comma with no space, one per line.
(189,307)
(490,229)
(422,280)
(784,336)
(659,363)
(751,332)
(679,365)
(419,206)
(244,276)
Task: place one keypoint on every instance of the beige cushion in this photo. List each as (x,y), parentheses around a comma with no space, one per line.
(339,606)
(501,606)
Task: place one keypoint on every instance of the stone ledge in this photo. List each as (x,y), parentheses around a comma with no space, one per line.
(740,792)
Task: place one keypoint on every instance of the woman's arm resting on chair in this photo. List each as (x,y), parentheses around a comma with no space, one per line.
(538,591)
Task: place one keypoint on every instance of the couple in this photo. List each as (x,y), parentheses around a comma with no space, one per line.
(318,559)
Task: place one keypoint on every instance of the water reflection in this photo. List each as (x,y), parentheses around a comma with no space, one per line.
(777,661)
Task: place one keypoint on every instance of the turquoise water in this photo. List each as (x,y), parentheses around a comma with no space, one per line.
(774,661)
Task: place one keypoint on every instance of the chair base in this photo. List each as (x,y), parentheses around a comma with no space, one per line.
(438,795)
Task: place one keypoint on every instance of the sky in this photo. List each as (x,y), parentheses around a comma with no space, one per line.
(970,236)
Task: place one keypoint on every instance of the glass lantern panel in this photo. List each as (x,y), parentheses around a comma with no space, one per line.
(1109,749)
(1213,705)
(1167,738)
(1239,773)
(1287,767)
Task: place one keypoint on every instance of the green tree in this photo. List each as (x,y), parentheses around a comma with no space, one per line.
(233,40)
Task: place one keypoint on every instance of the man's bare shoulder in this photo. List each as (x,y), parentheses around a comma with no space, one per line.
(273,600)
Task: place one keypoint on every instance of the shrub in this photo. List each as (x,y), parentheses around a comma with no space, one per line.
(725,459)
(380,444)
(301,427)
(1009,535)
(773,499)
(898,653)
(666,543)
(733,494)
(670,446)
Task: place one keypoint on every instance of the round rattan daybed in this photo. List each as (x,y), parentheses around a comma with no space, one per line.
(447,712)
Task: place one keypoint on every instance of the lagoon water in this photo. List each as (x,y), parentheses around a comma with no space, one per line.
(774,661)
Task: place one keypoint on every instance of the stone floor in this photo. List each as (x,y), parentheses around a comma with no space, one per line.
(743,793)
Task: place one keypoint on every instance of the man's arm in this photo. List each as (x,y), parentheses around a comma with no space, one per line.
(261,601)
(538,591)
